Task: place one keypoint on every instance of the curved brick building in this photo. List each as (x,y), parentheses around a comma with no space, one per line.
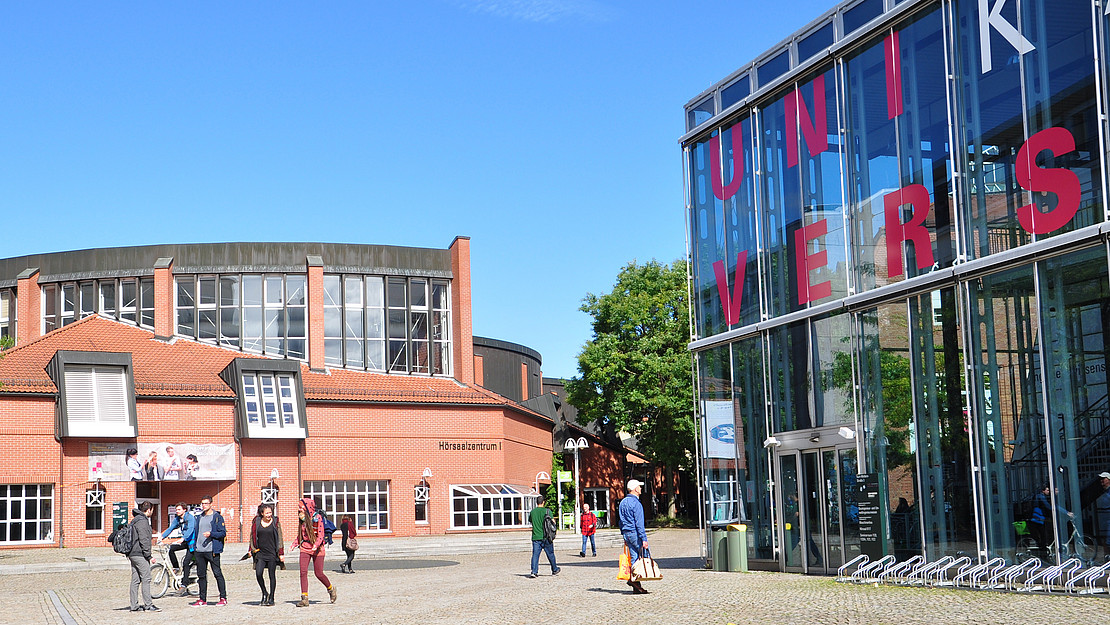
(253,372)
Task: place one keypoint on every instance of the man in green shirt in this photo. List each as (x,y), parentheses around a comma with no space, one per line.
(537,517)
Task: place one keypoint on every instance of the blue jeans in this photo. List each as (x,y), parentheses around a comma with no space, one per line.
(547,547)
(634,544)
(592,545)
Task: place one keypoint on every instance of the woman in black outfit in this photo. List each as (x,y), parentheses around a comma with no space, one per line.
(267,548)
(347,527)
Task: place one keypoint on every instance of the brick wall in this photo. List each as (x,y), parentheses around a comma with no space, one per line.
(347,441)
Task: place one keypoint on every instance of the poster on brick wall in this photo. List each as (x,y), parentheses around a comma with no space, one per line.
(145,462)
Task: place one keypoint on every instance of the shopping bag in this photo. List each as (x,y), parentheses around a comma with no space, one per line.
(625,564)
(645,569)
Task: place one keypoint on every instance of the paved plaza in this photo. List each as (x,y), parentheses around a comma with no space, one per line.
(493,588)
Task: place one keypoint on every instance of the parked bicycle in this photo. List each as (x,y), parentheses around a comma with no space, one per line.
(163,575)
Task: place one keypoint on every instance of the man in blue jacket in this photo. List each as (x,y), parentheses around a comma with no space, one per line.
(631,513)
(188,524)
(210,544)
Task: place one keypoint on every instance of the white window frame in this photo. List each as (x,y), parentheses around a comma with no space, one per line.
(270,405)
(421,494)
(94,499)
(97,401)
(335,496)
(484,506)
(269,495)
(40,524)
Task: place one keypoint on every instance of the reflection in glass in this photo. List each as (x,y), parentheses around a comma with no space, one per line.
(1073,300)
(792,532)
(1007,372)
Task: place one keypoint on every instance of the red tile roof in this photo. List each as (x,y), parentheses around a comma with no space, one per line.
(184,368)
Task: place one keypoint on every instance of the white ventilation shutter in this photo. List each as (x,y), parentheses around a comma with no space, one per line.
(80,395)
(97,401)
(111,392)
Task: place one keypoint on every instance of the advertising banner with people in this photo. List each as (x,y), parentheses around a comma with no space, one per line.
(153,462)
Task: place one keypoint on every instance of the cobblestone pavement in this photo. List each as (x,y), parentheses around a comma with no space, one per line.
(493,588)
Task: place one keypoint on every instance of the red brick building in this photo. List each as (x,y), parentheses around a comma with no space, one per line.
(253,372)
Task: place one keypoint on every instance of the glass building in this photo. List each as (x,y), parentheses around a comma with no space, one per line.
(898,243)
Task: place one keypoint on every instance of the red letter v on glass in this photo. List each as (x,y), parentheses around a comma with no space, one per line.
(719,189)
(731,305)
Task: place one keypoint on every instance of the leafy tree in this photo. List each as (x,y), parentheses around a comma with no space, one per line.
(635,371)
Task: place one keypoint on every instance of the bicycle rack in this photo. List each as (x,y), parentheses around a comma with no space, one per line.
(1069,566)
(1101,571)
(940,575)
(918,575)
(1088,578)
(899,570)
(1009,574)
(974,575)
(866,574)
(841,573)
(1036,582)
(978,579)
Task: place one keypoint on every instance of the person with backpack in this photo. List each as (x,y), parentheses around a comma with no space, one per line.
(589,528)
(310,542)
(210,544)
(139,533)
(543,538)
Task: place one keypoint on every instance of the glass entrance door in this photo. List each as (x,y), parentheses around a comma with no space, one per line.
(820,519)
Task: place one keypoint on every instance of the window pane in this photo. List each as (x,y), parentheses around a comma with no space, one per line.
(252,290)
(229,291)
(186,293)
(333,295)
(374,291)
(273,291)
(295,290)
(207,292)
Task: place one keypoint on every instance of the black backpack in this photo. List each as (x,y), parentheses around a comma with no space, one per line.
(549,528)
(123,539)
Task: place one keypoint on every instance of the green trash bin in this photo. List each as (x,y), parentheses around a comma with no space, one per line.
(719,552)
(738,548)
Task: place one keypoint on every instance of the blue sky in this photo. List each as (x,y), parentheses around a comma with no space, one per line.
(545,130)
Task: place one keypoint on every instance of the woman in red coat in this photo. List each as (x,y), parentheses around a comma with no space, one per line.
(310,540)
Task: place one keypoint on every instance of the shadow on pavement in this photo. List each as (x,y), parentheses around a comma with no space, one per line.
(399,565)
(687,563)
(610,591)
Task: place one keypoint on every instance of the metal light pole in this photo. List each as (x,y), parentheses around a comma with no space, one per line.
(573,446)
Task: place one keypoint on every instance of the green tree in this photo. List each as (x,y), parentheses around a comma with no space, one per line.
(635,371)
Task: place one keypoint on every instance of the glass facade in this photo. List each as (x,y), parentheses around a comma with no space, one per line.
(66,302)
(899,275)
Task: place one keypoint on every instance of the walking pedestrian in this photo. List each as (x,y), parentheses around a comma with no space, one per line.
(632,528)
(347,529)
(540,541)
(589,528)
(267,548)
(210,544)
(140,558)
(310,541)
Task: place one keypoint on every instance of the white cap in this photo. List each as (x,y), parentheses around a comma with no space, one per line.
(634,484)
(1105,475)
